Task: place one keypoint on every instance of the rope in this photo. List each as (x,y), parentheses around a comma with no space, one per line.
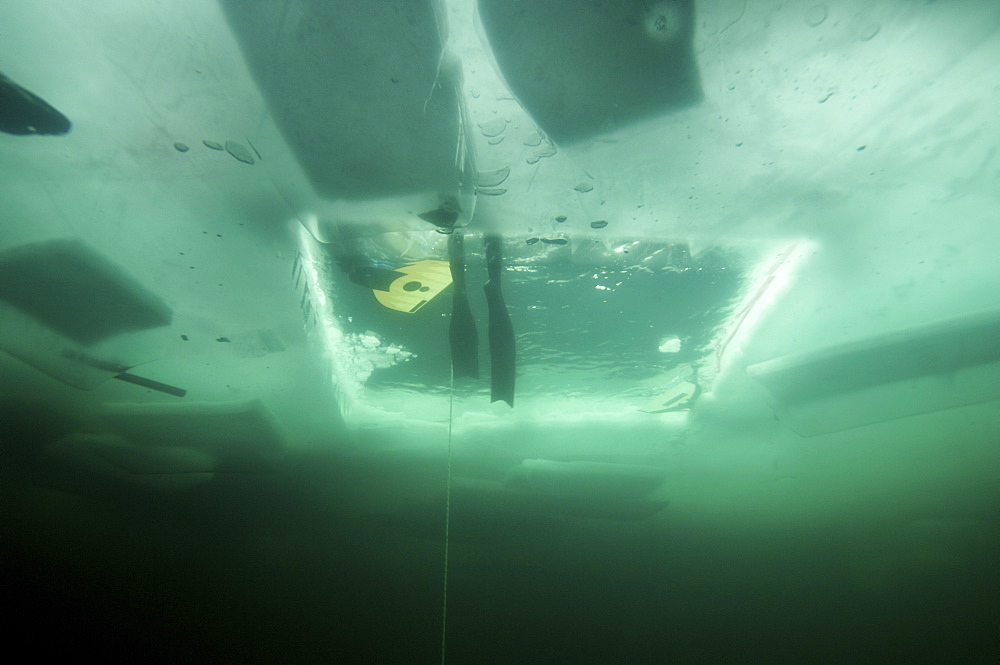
(447,525)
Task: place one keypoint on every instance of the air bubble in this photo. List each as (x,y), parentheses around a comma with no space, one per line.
(239,151)
(815,15)
(545,150)
(869,31)
(492,178)
(493,127)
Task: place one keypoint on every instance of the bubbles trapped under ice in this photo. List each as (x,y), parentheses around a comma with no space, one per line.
(545,150)
(492,178)
(239,151)
(815,15)
(493,128)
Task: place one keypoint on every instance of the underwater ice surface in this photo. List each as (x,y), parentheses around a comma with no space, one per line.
(834,190)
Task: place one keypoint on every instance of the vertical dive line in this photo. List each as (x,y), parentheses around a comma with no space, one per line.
(447,523)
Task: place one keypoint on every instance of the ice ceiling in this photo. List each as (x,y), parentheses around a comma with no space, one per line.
(859,137)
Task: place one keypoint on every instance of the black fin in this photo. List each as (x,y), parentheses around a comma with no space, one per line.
(445,216)
(502,350)
(151,384)
(462,328)
(24,113)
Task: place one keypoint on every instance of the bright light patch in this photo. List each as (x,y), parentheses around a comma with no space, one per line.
(671,344)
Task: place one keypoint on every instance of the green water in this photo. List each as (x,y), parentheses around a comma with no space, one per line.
(784,211)
(878,547)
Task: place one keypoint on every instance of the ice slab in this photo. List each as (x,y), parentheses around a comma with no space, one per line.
(237,434)
(921,369)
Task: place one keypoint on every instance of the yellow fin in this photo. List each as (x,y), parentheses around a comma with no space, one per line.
(421,281)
